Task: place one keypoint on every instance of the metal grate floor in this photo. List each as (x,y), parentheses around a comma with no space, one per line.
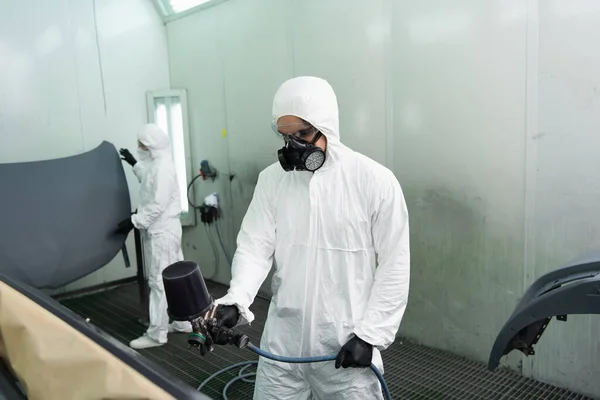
(413,372)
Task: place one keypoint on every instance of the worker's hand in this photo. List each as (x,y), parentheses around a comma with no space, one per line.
(127,157)
(356,353)
(125,226)
(227,316)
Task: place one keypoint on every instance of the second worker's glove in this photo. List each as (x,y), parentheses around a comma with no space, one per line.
(127,157)
(125,226)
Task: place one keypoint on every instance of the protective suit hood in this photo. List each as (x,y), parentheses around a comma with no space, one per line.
(155,139)
(313,100)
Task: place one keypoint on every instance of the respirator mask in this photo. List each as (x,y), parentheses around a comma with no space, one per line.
(300,155)
(143,155)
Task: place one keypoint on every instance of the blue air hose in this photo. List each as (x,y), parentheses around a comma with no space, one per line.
(242,376)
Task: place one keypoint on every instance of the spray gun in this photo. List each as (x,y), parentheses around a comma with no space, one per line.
(188,299)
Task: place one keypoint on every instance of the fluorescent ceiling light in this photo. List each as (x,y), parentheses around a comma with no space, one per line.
(182,5)
(170,10)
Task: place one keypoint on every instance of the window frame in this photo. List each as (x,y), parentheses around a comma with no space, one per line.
(187,218)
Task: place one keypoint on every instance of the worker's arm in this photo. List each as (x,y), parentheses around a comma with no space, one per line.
(253,258)
(389,294)
(160,185)
(138,171)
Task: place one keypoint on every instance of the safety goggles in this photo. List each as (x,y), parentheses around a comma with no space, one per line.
(300,130)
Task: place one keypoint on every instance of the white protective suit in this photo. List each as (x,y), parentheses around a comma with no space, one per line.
(157,218)
(340,241)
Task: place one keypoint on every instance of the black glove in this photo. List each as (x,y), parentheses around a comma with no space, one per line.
(226,317)
(125,226)
(356,353)
(128,157)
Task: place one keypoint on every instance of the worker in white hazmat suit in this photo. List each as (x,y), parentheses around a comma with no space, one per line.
(336,224)
(157,218)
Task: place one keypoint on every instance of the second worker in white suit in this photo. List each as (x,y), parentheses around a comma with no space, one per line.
(157,218)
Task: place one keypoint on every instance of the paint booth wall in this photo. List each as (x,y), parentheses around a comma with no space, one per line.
(491,132)
(71,78)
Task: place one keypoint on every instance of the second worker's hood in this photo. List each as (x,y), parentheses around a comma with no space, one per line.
(157,141)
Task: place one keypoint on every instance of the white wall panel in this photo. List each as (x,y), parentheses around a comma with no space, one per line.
(459,113)
(346,43)
(196,65)
(38,95)
(567,187)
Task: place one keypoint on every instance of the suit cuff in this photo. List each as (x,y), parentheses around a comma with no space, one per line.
(370,336)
